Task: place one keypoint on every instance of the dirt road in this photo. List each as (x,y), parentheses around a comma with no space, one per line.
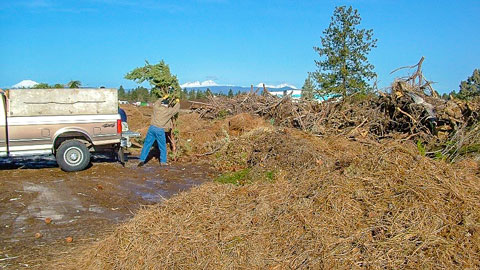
(81,205)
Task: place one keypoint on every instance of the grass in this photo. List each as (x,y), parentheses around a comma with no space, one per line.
(240,177)
(421,148)
(269,175)
(236,178)
(222,114)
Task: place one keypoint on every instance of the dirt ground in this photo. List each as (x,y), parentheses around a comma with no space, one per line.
(81,205)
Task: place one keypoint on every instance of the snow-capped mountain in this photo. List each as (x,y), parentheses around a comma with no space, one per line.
(278,87)
(199,84)
(25,84)
(216,88)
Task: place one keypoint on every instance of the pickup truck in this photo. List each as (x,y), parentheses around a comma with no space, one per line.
(68,123)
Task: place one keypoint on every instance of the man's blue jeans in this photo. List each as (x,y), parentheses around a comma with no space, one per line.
(158,134)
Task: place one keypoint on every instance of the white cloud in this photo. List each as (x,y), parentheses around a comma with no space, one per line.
(277,86)
(199,84)
(25,84)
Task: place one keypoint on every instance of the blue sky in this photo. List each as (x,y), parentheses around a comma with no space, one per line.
(229,42)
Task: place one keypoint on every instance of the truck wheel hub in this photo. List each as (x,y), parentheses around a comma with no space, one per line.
(73,156)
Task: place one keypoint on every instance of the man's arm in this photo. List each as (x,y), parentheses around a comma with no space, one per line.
(174,110)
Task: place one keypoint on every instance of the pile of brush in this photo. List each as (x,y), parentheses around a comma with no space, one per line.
(412,110)
(305,202)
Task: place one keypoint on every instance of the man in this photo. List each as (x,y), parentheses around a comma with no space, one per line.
(164,109)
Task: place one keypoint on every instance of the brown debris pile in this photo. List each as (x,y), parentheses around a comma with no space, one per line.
(334,204)
(195,135)
(200,137)
(412,110)
(403,112)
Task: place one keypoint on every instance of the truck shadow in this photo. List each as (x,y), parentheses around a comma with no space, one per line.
(45,162)
(28,163)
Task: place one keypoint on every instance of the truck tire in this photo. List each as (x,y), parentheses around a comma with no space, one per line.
(72,156)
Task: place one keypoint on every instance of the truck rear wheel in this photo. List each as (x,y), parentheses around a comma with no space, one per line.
(73,155)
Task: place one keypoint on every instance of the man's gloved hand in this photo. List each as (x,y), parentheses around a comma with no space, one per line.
(165,97)
(177,100)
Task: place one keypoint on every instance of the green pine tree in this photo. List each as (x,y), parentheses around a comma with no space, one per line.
(121,92)
(343,67)
(308,88)
(142,94)
(133,96)
(200,94)
(159,77)
(184,94)
(230,93)
(191,94)
(208,93)
(471,87)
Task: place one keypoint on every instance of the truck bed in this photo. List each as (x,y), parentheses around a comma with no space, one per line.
(49,102)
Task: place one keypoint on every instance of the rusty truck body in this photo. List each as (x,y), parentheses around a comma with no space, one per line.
(68,123)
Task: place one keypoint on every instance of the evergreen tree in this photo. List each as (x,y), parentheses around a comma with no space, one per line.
(133,96)
(308,88)
(159,77)
(230,93)
(343,67)
(142,94)
(121,92)
(208,93)
(192,95)
(471,87)
(200,94)
(184,94)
